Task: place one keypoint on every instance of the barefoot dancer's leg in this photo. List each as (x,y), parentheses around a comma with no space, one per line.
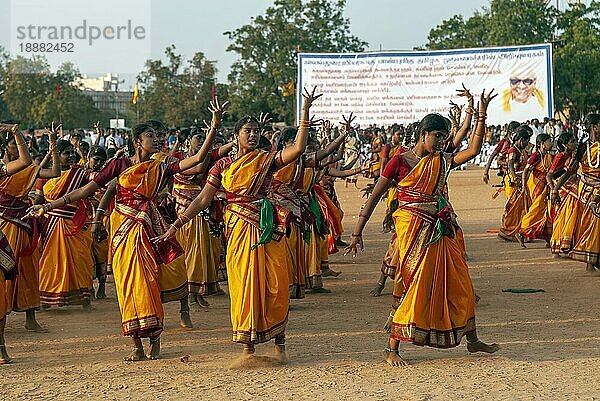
(31,323)
(101,274)
(248,349)
(280,353)
(154,348)
(4,358)
(138,351)
(202,302)
(380,286)
(476,345)
(391,354)
(184,312)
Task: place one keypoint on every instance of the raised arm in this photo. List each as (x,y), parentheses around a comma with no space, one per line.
(477,138)
(54,171)
(218,111)
(24,159)
(98,133)
(462,131)
(293,152)
(381,187)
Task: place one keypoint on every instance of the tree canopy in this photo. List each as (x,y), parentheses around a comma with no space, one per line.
(268,47)
(575,32)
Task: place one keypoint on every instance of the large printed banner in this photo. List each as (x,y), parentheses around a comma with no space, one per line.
(384,88)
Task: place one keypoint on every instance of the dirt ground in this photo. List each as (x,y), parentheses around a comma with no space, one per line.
(550,341)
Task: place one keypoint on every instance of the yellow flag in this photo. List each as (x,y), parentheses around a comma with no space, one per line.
(288,89)
(136,94)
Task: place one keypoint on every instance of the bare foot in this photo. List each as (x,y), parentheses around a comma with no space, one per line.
(280,354)
(101,293)
(186,321)
(480,346)
(136,355)
(154,349)
(202,302)
(520,239)
(394,359)
(376,291)
(477,299)
(4,358)
(248,350)
(35,327)
(87,305)
(330,273)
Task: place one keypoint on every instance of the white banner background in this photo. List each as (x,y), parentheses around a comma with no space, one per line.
(401,87)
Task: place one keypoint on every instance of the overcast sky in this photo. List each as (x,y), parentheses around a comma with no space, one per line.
(199,25)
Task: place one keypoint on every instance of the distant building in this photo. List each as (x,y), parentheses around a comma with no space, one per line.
(105,92)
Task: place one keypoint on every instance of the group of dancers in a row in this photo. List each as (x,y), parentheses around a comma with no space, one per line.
(280,219)
(273,213)
(552,190)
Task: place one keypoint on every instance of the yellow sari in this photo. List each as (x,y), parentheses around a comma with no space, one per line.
(24,289)
(518,202)
(587,235)
(258,276)
(536,223)
(66,259)
(566,215)
(135,260)
(285,180)
(439,306)
(172,278)
(202,249)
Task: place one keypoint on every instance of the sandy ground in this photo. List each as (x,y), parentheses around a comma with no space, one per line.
(550,341)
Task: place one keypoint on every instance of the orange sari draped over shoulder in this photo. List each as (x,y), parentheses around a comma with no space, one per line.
(438,308)
(566,215)
(536,223)
(258,276)
(24,289)
(66,259)
(587,234)
(135,260)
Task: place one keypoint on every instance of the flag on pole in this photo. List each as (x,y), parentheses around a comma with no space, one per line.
(136,94)
(288,89)
(57,89)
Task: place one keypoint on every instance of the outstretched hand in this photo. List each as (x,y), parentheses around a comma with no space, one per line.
(355,242)
(170,233)
(310,97)
(485,101)
(347,122)
(464,92)
(35,211)
(218,111)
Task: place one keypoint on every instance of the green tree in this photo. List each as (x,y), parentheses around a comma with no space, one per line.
(268,46)
(65,101)
(4,113)
(456,33)
(577,59)
(503,23)
(520,22)
(174,91)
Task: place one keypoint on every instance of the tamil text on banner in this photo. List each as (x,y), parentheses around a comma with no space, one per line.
(384,88)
